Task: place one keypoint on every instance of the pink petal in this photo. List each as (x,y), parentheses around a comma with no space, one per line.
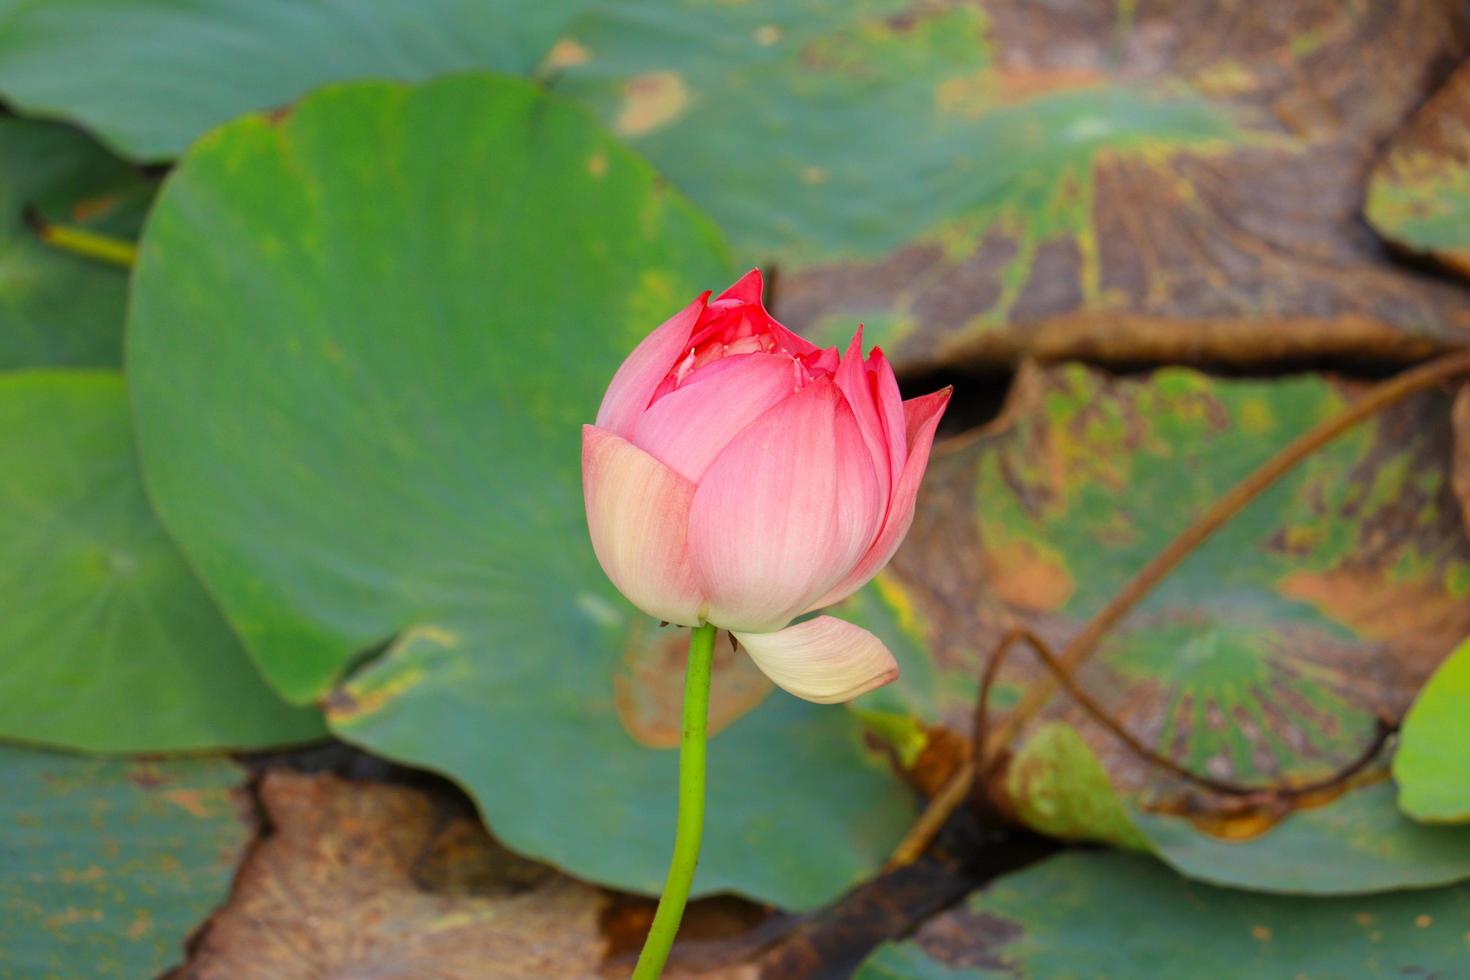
(638,515)
(784,512)
(687,428)
(921,416)
(852,377)
(824,660)
(891,407)
(639,376)
(738,312)
(923,413)
(746,289)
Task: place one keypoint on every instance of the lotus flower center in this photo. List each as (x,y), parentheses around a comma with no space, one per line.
(731,333)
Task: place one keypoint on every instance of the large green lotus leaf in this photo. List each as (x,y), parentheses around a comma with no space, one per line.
(106,866)
(978,181)
(57,308)
(1357,844)
(1432,764)
(821,107)
(111,644)
(1114,915)
(1267,657)
(150,76)
(416,297)
(1419,192)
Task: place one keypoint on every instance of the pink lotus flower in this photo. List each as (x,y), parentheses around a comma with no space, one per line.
(741,476)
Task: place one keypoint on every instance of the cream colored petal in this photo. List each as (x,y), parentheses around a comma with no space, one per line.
(638,516)
(825,660)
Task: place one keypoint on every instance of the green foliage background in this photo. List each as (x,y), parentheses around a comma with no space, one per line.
(310,466)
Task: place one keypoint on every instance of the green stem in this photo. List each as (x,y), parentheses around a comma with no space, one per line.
(690,826)
(87,244)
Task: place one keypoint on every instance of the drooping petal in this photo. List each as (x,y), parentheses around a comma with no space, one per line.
(687,428)
(639,376)
(784,512)
(853,378)
(825,660)
(921,417)
(638,516)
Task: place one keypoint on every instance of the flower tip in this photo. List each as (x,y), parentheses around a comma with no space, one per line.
(747,289)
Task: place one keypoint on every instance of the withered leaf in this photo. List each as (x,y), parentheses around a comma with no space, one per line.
(1419,192)
(362,878)
(1268,657)
(1161,180)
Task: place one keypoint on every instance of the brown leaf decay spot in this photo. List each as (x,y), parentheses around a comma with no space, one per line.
(767,35)
(1246,250)
(142,922)
(979,93)
(280,114)
(91,874)
(648,690)
(145,776)
(194,802)
(362,879)
(1018,86)
(566,53)
(652,100)
(1422,622)
(70,916)
(1025,578)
